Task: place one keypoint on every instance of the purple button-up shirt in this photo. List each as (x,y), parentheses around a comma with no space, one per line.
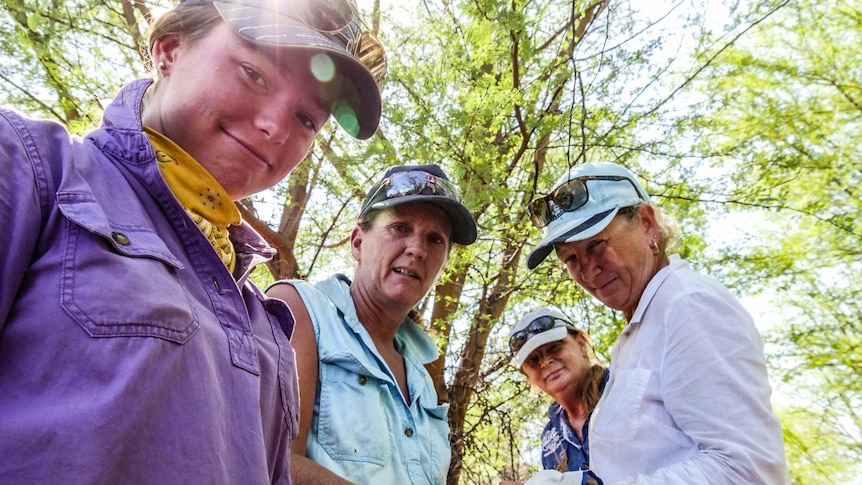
(128,352)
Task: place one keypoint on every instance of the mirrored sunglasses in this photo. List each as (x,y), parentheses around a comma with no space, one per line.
(537,326)
(568,197)
(366,48)
(412,182)
(340,18)
(335,18)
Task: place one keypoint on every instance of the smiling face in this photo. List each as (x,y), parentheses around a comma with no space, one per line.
(402,254)
(560,367)
(615,265)
(246,113)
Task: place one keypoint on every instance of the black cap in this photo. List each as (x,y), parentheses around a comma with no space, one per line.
(357,104)
(404,184)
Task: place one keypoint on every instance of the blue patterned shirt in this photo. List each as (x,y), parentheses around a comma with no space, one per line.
(560,442)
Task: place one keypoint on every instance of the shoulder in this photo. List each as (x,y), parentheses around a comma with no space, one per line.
(31,138)
(688,291)
(309,303)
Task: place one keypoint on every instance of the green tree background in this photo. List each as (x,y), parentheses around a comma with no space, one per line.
(741,116)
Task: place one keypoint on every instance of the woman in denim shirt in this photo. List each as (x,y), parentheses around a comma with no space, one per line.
(558,358)
(133,347)
(369,412)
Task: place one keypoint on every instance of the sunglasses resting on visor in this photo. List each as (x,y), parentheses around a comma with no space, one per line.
(568,197)
(339,18)
(412,182)
(335,18)
(537,326)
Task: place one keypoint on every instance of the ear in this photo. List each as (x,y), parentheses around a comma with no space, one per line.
(165,50)
(582,340)
(356,243)
(646,214)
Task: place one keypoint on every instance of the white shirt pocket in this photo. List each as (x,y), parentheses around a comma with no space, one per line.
(619,411)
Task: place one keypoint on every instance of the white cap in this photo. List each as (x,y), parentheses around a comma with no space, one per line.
(607,197)
(536,340)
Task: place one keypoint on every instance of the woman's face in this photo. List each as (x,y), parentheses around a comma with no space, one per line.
(559,367)
(402,254)
(615,265)
(246,113)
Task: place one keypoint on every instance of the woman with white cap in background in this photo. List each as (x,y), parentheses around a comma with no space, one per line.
(688,398)
(558,358)
(133,347)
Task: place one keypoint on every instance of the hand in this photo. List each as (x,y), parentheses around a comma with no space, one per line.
(553,477)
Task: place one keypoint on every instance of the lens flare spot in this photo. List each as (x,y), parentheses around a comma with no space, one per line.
(323,68)
(346,117)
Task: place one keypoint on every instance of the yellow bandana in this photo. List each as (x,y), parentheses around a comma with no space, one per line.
(201,195)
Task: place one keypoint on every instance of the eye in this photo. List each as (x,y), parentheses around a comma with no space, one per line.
(307,121)
(597,246)
(252,74)
(571,262)
(438,239)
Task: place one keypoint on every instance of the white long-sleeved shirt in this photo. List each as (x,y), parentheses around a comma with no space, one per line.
(688,400)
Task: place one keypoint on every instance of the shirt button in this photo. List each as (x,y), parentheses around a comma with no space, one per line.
(409,432)
(362,380)
(120,238)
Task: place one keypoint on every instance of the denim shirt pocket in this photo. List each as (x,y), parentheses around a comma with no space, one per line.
(440,448)
(620,410)
(353,422)
(120,280)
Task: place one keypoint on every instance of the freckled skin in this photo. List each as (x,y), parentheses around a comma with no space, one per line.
(246,113)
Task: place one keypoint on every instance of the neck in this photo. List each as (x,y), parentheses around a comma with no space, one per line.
(380,321)
(576,414)
(661,260)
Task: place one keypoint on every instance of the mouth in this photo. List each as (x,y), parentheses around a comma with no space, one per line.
(552,375)
(407,272)
(250,150)
(605,285)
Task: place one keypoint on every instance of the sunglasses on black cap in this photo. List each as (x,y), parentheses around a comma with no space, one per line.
(411,182)
(335,18)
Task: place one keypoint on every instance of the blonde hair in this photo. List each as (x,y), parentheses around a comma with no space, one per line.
(667,226)
(591,391)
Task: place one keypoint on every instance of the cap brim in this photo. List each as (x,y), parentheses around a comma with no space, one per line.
(574,229)
(537,340)
(357,106)
(464,231)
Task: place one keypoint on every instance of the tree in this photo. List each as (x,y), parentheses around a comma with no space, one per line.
(758,112)
(782,119)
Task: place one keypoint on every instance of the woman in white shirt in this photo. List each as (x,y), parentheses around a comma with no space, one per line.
(688,399)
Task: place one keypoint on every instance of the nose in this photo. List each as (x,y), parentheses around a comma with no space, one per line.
(273,120)
(589,268)
(416,247)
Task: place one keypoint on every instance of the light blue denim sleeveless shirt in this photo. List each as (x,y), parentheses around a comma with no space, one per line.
(362,428)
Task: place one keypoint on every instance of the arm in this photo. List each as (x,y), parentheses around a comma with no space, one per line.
(302,469)
(23,185)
